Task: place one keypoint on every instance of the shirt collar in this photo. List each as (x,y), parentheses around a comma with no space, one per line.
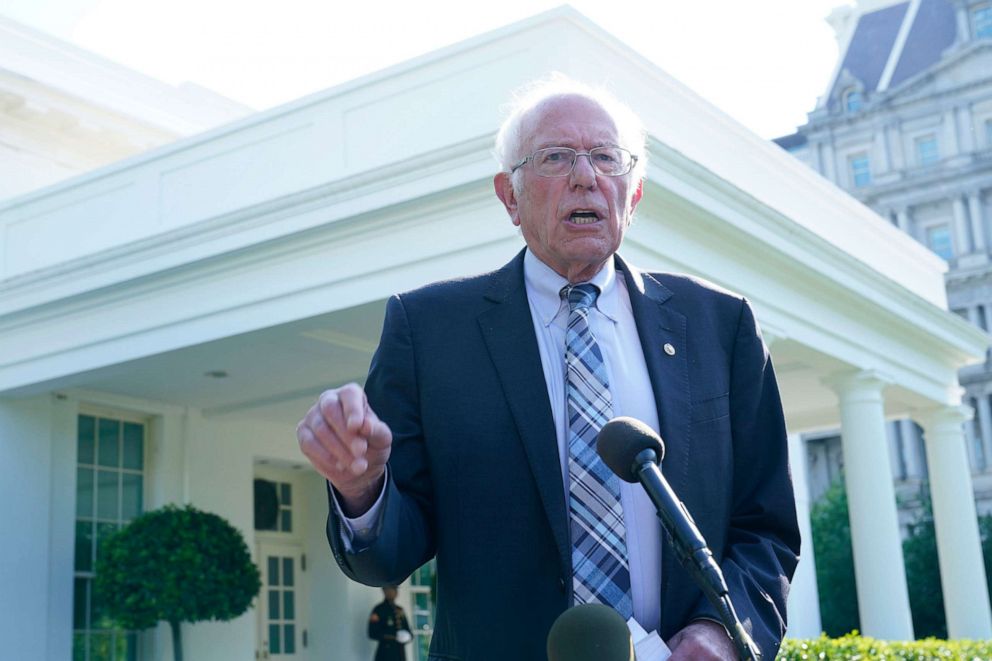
(544,286)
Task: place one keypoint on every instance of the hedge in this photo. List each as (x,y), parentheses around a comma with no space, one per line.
(853,646)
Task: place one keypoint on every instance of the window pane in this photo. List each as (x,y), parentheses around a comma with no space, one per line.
(106,495)
(134,439)
(84,492)
(274,646)
(86,433)
(103,531)
(285,493)
(290,639)
(421,601)
(926,150)
(287,571)
(79,647)
(131,487)
(860,170)
(274,605)
(939,240)
(79,588)
(286,520)
(108,452)
(84,546)
(289,607)
(98,615)
(273,571)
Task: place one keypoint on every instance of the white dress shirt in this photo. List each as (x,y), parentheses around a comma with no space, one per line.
(612,324)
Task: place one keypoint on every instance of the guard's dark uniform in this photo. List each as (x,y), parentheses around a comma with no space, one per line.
(386,619)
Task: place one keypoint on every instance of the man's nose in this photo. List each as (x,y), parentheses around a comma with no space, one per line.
(583,174)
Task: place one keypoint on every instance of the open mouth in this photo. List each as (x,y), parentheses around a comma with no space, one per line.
(583,217)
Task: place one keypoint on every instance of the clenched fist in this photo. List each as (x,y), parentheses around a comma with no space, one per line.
(348,444)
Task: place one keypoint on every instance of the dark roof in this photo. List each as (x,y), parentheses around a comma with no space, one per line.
(933,31)
(870,46)
(790,141)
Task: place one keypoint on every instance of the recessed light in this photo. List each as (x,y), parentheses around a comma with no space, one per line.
(216,374)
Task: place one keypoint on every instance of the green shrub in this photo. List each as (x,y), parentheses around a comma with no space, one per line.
(853,646)
(919,552)
(175,565)
(834,562)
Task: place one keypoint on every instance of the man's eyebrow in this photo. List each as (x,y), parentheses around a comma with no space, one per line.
(572,145)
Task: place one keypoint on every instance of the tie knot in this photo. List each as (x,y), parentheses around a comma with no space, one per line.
(580,296)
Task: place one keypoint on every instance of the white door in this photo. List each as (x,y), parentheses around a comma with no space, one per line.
(282,629)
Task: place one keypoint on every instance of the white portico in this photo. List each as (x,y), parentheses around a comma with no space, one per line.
(264,250)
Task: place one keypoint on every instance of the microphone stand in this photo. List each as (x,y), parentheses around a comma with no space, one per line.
(693,553)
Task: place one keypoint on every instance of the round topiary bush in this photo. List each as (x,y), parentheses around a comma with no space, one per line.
(176,565)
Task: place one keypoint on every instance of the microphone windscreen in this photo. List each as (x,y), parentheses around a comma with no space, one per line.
(621,439)
(590,632)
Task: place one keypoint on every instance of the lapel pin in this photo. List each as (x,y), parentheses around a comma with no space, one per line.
(669,349)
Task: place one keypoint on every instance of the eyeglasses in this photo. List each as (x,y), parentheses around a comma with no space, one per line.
(559,161)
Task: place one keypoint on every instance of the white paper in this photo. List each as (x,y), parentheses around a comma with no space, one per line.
(647,646)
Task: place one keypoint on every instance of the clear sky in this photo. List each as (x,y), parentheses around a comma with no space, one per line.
(764,62)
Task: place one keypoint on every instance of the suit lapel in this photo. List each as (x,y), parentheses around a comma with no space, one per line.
(508,329)
(658,326)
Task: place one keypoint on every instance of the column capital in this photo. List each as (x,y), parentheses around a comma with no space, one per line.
(944,418)
(857,381)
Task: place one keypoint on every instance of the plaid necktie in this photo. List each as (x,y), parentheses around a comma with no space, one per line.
(599,549)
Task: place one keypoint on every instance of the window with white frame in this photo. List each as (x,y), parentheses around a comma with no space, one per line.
(860,169)
(938,238)
(853,100)
(927,152)
(110,482)
(982,20)
(421,587)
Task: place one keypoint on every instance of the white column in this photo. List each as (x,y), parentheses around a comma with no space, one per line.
(964,25)
(959,550)
(985,422)
(950,134)
(903,221)
(895,147)
(881,152)
(977,220)
(966,124)
(829,162)
(804,602)
(880,575)
(962,244)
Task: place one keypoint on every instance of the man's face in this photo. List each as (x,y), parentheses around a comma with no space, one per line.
(389,594)
(575,223)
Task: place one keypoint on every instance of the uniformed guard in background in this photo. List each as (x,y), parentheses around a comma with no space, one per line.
(388,625)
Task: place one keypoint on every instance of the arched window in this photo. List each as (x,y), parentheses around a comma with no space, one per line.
(853,100)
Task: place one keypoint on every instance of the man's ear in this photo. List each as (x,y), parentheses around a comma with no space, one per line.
(637,195)
(503,184)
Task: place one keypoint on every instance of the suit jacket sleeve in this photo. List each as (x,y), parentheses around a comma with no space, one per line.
(405,535)
(762,543)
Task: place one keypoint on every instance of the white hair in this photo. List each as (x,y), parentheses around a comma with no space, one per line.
(509,141)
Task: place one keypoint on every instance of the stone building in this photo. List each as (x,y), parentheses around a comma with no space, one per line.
(905,126)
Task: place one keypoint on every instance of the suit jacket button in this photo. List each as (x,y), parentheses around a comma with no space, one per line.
(561,584)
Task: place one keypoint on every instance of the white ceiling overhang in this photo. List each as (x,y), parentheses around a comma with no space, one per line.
(283,232)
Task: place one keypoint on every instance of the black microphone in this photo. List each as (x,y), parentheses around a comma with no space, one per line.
(590,632)
(632,450)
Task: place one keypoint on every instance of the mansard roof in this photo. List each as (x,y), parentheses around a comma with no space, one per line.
(893,44)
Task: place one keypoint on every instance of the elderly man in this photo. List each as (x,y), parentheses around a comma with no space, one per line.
(472,439)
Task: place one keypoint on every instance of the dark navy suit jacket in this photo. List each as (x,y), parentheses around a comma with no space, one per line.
(475,479)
